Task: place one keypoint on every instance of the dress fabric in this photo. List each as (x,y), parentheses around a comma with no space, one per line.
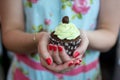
(46,15)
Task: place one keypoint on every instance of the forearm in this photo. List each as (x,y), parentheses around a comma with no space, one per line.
(21,42)
(101,39)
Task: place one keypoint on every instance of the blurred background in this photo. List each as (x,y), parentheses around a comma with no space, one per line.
(109,62)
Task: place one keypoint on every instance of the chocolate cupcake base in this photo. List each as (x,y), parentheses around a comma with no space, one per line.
(69,45)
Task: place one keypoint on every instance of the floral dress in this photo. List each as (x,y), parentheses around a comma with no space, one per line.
(46,15)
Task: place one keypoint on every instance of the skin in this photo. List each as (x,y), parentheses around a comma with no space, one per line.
(17,40)
(106,34)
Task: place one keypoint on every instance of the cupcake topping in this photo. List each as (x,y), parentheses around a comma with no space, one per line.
(66,30)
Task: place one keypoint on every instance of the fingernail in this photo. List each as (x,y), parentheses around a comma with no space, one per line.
(77,63)
(80,60)
(50,46)
(48,60)
(76,54)
(54,48)
(70,64)
(60,48)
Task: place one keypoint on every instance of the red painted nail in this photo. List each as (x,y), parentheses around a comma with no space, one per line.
(60,48)
(77,62)
(80,60)
(50,46)
(76,54)
(70,64)
(48,60)
(54,48)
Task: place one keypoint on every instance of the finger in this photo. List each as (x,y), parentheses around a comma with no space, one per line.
(77,61)
(66,66)
(50,48)
(51,67)
(42,49)
(55,55)
(63,55)
(83,45)
(58,68)
(45,65)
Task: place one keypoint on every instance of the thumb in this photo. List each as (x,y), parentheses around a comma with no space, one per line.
(43,51)
(83,45)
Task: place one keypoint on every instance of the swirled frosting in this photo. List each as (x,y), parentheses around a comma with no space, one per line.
(67,31)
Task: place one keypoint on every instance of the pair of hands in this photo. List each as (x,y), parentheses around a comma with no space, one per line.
(54,57)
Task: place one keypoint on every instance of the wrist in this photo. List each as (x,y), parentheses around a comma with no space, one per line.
(40,35)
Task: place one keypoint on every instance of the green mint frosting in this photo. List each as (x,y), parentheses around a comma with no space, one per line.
(67,31)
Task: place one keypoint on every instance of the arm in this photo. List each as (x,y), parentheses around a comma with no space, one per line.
(13,35)
(17,40)
(105,36)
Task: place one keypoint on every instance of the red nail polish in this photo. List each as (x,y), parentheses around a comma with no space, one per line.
(80,60)
(70,64)
(50,46)
(48,60)
(76,54)
(54,48)
(60,48)
(77,62)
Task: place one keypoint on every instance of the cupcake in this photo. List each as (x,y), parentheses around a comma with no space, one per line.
(67,35)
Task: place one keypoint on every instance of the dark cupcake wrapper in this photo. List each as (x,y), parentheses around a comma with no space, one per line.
(70,45)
